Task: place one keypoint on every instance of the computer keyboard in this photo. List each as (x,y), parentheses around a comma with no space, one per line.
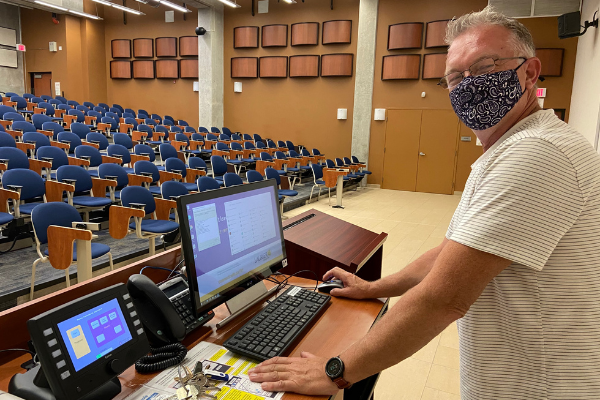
(274,328)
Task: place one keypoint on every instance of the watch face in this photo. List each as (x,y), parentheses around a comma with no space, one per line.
(334,368)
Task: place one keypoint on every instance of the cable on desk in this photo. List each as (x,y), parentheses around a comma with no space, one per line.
(33,355)
(148,266)
(284,283)
(161,358)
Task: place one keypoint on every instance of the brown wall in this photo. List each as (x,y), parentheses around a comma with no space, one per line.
(303,110)
(161,96)
(407,94)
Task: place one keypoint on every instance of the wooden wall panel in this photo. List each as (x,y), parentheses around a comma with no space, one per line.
(143,48)
(274,35)
(120,48)
(273,67)
(436,31)
(244,67)
(304,66)
(407,35)
(166,47)
(305,33)
(402,66)
(120,69)
(337,64)
(167,69)
(434,66)
(188,46)
(143,69)
(245,37)
(188,69)
(552,61)
(335,32)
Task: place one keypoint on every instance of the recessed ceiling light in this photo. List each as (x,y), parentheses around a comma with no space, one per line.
(82,14)
(174,6)
(42,3)
(230,3)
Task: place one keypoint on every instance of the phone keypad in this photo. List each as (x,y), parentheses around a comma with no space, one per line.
(184,312)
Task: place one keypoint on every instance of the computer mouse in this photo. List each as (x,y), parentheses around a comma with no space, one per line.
(326,287)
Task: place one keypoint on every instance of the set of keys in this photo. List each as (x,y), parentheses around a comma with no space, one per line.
(195,384)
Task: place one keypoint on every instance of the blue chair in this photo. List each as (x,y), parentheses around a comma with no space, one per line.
(114,126)
(232,179)
(182,123)
(83,195)
(115,110)
(58,215)
(25,95)
(116,173)
(145,150)
(104,105)
(120,151)
(290,146)
(257,138)
(118,107)
(339,163)
(253,176)
(80,117)
(6,140)
(214,129)
(202,129)
(23,126)
(150,121)
(13,116)
(80,130)
(331,164)
(61,99)
(92,155)
(130,121)
(16,158)
(170,191)
(219,168)
(316,152)
(318,181)
(72,139)
(189,129)
(72,103)
(124,140)
(147,168)
(5,109)
(264,156)
(89,105)
(147,130)
(207,183)
(50,111)
(175,129)
(37,139)
(83,109)
(100,110)
(45,97)
(197,163)
(99,139)
(271,173)
(21,105)
(55,103)
(54,128)
(227,131)
(39,119)
(303,168)
(157,118)
(29,184)
(55,156)
(169,118)
(166,151)
(223,138)
(357,162)
(5,219)
(175,165)
(98,115)
(129,111)
(162,129)
(112,115)
(145,228)
(167,122)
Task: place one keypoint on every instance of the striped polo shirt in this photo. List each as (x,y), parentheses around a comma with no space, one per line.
(534,333)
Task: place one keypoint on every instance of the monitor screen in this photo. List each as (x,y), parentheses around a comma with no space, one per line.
(231,238)
(94,333)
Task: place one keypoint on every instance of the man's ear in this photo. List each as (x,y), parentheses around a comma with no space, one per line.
(532,72)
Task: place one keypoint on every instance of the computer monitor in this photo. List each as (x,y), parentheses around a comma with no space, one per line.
(83,346)
(231,238)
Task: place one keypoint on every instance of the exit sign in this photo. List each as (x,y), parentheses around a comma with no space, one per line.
(541,92)
(20,47)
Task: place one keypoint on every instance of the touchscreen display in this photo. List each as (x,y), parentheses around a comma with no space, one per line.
(94,333)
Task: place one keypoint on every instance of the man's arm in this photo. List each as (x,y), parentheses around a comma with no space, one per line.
(458,277)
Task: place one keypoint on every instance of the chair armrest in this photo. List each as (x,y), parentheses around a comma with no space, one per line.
(330,176)
(261,165)
(99,186)
(79,161)
(25,146)
(61,145)
(6,195)
(60,244)
(178,145)
(5,123)
(208,144)
(138,136)
(124,128)
(249,153)
(135,158)
(235,153)
(163,208)
(138,180)
(90,119)
(54,190)
(221,153)
(39,165)
(280,163)
(30,106)
(15,134)
(139,120)
(196,145)
(101,126)
(166,176)
(94,145)
(39,110)
(111,160)
(50,134)
(90,226)
(118,220)
(59,113)
(193,174)
(69,119)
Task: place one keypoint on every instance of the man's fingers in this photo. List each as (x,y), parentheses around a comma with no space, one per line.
(306,354)
(276,360)
(336,272)
(269,376)
(280,386)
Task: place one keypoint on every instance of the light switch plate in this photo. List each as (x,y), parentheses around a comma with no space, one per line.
(237,87)
(342,113)
(379,114)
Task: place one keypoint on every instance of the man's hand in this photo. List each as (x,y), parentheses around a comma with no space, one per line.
(354,287)
(304,375)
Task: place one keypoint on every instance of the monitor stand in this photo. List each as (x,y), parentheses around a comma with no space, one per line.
(243,301)
(33,385)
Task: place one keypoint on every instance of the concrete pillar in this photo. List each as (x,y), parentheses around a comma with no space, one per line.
(365,72)
(210,65)
(11,80)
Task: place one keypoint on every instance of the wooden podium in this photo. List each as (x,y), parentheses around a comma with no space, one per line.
(319,242)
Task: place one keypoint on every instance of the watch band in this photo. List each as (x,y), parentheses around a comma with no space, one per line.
(342,383)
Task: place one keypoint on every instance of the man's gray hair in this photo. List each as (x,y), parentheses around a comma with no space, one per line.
(522,39)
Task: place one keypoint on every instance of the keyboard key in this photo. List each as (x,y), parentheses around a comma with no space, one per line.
(233,342)
(277,349)
(291,333)
(258,349)
(250,347)
(272,354)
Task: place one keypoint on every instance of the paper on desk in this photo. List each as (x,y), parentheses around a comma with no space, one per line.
(219,358)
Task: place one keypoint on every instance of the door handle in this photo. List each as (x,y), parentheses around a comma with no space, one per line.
(421,153)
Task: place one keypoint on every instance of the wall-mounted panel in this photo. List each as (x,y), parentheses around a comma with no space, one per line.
(337,64)
(143,69)
(552,61)
(436,32)
(120,69)
(337,32)
(9,58)
(8,37)
(167,69)
(120,48)
(305,34)
(245,37)
(143,48)
(274,35)
(407,35)
(188,46)
(434,66)
(402,66)
(304,66)
(166,47)
(273,67)
(188,69)
(244,67)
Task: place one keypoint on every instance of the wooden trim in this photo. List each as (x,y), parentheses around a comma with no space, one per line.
(79,161)
(401,77)
(326,56)
(306,66)
(118,46)
(86,143)
(435,68)
(188,69)
(60,145)
(55,190)
(330,176)
(270,71)
(99,186)
(135,158)
(39,165)
(111,160)
(68,120)
(262,36)
(166,176)
(261,165)
(164,207)
(437,29)
(140,69)
(188,46)
(123,71)
(164,69)
(60,244)
(316,41)
(25,146)
(164,48)
(552,61)
(89,119)
(193,174)
(118,220)
(340,27)
(138,180)
(247,40)
(6,195)
(361,258)
(144,55)
(246,74)
(137,135)
(406,34)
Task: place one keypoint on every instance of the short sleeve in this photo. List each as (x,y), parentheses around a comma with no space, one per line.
(523,203)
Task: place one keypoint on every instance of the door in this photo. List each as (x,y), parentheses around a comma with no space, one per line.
(468,153)
(437,152)
(401,150)
(41,83)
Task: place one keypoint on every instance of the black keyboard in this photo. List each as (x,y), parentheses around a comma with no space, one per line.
(271,332)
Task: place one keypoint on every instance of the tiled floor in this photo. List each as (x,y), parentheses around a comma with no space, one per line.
(415,222)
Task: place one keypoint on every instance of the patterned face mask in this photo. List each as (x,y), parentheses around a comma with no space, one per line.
(482,101)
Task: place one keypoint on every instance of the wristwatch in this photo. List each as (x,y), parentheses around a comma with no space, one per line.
(334,370)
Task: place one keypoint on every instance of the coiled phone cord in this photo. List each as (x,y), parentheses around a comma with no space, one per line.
(161,358)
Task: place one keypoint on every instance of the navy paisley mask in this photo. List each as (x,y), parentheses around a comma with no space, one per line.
(482,101)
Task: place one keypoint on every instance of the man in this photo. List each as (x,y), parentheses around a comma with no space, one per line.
(520,265)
